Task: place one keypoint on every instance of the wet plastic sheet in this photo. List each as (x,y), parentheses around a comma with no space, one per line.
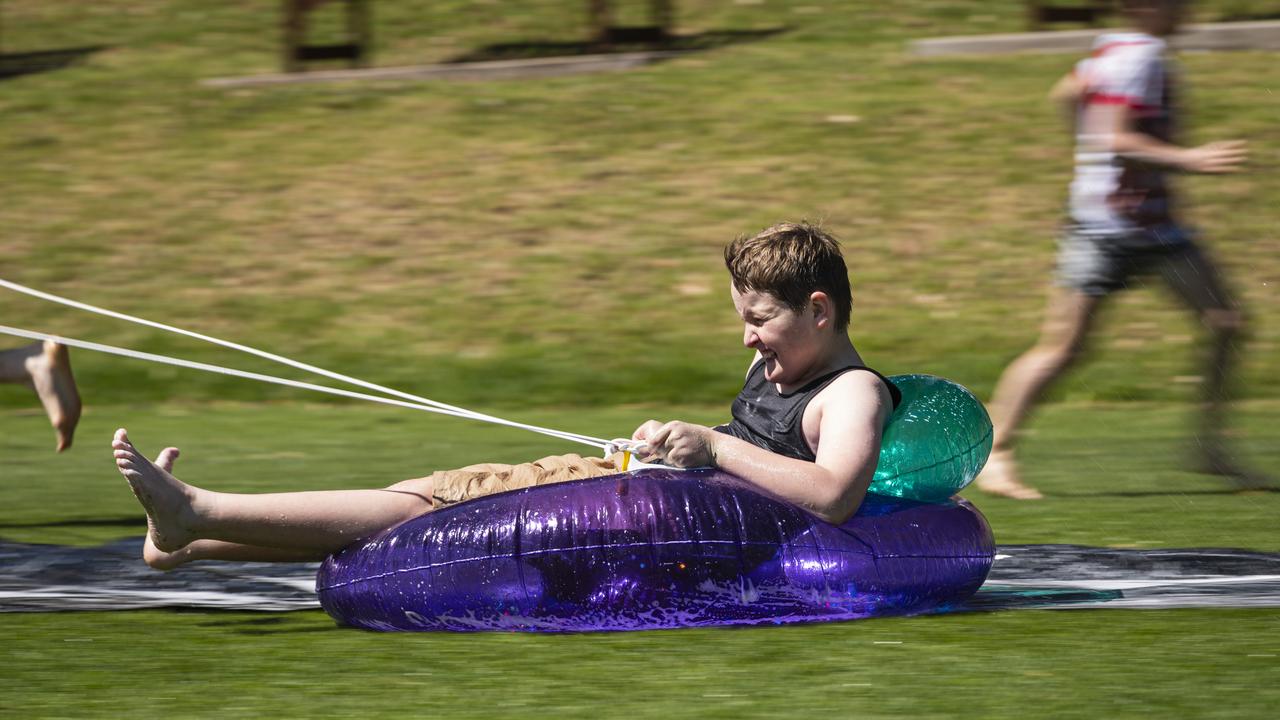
(47,578)
(42,578)
(1074,576)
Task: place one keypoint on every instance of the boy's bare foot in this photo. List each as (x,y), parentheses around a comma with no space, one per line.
(169,502)
(153,556)
(1000,477)
(158,559)
(49,367)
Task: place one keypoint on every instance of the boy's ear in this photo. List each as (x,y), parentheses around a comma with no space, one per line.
(821,305)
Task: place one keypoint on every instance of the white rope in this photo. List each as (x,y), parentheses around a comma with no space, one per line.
(417,400)
(165,360)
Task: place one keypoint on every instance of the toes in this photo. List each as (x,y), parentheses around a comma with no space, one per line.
(167,458)
(126,461)
(66,429)
(121,438)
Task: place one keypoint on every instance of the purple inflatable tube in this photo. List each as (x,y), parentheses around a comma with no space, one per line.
(655,549)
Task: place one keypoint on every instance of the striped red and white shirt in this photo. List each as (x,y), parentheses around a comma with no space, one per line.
(1113,195)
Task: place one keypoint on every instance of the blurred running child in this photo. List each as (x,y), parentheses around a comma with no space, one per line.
(1124,223)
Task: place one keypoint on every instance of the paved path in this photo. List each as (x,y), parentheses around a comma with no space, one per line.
(1262,35)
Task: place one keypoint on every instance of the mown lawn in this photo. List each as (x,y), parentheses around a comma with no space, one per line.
(498,242)
(1112,473)
(548,249)
(1061,664)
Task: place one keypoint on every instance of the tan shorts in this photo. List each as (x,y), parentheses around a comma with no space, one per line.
(454,486)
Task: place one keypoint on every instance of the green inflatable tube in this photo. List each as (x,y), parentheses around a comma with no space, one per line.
(934,443)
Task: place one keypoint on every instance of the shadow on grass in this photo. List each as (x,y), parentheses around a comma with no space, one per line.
(261,626)
(131,521)
(29,63)
(675,43)
(1162,493)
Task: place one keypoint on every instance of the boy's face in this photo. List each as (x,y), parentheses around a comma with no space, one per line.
(788,341)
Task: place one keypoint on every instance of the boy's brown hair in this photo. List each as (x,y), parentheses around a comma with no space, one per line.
(790,261)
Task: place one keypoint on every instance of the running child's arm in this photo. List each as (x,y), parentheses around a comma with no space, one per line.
(852,414)
(1124,139)
(1066,94)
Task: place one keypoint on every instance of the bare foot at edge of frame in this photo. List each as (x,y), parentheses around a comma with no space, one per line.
(51,378)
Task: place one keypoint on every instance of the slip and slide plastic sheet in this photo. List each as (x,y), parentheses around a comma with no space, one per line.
(54,578)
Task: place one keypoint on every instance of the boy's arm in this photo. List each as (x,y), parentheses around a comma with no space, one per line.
(853,412)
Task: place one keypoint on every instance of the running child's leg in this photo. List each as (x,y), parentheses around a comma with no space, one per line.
(1194,278)
(1067,323)
(316,522)
(46,369)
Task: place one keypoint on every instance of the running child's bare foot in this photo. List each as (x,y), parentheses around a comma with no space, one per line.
(1000,477)
(169,502)
(50,369)
(1214,459)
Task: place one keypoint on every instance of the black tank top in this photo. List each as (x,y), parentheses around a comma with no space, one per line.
(769,419)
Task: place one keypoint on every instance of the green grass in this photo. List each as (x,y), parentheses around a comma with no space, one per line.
(1113,474)
(549,249)
(1116,472)
(495,242)
(1068,664)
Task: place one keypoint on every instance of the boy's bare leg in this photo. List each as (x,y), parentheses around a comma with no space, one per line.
(213,549)
(46,369)
(219,550)
(316,522)
(1067,323)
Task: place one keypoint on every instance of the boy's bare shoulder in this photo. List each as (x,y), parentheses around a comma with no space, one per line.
(853,405)
(857,391)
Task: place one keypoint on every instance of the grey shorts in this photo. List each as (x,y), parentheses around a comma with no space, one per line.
(1099,265)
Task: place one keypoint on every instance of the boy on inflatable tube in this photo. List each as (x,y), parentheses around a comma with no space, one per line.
(806,429)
